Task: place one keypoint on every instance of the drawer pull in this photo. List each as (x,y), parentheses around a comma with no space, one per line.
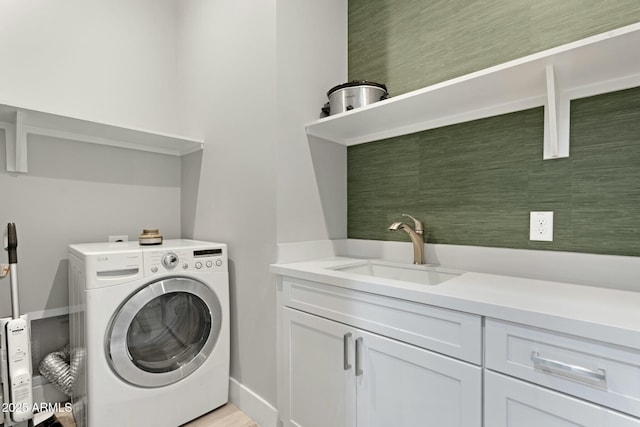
(359,370)
(345,349)
(562,368)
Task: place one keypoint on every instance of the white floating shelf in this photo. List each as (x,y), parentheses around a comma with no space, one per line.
(603,63)
(18,123)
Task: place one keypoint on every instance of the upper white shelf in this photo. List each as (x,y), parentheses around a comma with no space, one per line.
(603,63)
(19,122)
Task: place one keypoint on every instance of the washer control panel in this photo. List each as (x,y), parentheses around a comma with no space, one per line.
(175,260)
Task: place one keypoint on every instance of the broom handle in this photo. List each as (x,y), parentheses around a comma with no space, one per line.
(12,248)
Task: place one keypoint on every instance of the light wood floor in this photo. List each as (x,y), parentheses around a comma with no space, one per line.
(227,416)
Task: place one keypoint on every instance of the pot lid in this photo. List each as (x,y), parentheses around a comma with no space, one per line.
(355,83)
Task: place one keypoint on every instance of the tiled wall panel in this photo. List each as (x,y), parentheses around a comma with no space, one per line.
(475,183)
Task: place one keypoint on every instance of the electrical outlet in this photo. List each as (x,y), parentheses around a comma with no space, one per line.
(541,226)
(119,238)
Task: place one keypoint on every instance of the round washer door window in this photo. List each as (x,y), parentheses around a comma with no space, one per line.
(164,332)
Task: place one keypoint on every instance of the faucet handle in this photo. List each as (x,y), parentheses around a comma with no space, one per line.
(416,223)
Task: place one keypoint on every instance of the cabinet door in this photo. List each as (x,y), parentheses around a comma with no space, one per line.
(514,403)
(318,368)
(405,386)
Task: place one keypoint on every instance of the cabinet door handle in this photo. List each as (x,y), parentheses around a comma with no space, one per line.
(565,369)
(345,349)
(359,370)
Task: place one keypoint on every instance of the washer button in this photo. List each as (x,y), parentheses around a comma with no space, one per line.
(170,260)
(154,269)
(209,264)
(219,262)
(198,265)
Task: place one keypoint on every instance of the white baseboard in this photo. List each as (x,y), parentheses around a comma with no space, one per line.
(45,314)
(256,408)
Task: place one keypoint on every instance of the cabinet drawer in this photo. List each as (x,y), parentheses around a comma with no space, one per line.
(513,403)
(599,372)
(445,331)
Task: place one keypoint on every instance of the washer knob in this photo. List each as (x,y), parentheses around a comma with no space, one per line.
(170,260)
(209,264)
(198,265)
(154,269)
(219,262)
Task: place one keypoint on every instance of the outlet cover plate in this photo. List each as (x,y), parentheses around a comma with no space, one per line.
(541,226)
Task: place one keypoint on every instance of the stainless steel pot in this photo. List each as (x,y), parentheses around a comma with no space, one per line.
(357,93)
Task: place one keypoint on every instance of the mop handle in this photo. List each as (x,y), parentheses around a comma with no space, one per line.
(12,247)
(12,243)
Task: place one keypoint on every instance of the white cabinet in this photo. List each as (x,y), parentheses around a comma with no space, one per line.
(595,371)
(321,392)
(334,374)
(514,403)
(353,353)
(441,330)
(570,381)
(402,385)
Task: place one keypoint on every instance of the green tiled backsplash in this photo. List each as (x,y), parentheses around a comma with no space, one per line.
(475,183)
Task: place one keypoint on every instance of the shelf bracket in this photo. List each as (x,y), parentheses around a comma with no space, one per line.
(556,119)
(10,144)
(21,144)
(15,136)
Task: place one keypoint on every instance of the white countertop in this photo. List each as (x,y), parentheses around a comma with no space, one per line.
(590,312)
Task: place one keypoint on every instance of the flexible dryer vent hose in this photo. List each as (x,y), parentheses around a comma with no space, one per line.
(61,368)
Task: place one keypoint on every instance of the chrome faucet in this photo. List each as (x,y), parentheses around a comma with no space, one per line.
(416,237)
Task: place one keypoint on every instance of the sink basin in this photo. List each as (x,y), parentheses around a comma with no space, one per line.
(421,274)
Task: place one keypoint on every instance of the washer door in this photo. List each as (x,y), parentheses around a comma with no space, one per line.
(164,332)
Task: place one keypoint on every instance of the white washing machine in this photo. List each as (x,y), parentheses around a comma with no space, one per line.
(150,326)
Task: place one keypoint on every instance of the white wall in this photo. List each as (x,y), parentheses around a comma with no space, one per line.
(74,193)
(228,68)
(245,76)
(312,174)
(111,61)
(251,76)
